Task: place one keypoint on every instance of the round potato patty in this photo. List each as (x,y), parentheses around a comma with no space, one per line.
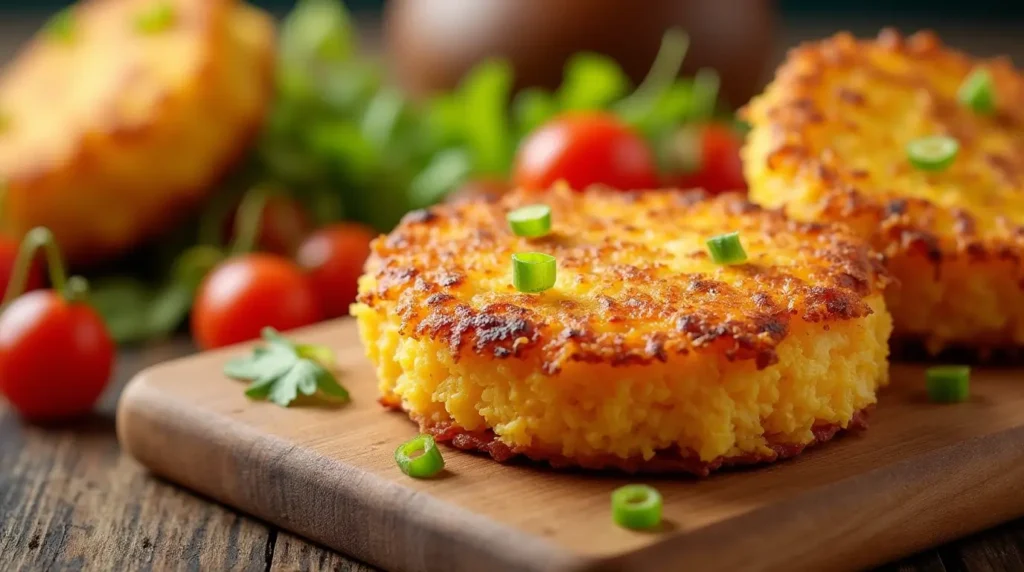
(645,355)
(121,114)
(829,143)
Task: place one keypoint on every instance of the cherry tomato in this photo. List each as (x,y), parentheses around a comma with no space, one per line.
(284,224)
(333,258)
(242,295)
(585,148)
(56,356)
(714,150)
(8,253)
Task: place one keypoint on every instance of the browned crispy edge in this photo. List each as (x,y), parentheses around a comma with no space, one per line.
(506,330)
(667,461)
(897,218)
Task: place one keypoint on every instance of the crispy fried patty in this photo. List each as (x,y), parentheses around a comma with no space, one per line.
(828,143)
(109,129)
(644,347)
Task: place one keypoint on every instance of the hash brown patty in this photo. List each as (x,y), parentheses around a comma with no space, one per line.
(645,355)
(110,129)
(828,143)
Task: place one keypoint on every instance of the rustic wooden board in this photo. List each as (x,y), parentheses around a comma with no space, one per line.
(923,474)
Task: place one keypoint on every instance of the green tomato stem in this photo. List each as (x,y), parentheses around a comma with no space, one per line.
(38,237)
(77,289)
(247,223)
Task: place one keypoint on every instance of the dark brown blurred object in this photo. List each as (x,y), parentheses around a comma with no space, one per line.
(432,44)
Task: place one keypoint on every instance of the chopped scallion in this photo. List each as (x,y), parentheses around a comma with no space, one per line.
(726,249)
(533,271)
(932,153)
(419,457)
(977,92)
(530,221)
(61,26)
(636,507)
(948,383)
(155,18)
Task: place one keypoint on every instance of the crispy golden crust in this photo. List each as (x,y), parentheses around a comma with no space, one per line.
(670,461)
(91,121)
(635,281)
(839,115)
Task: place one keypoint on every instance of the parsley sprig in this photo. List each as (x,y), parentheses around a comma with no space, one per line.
(280,370)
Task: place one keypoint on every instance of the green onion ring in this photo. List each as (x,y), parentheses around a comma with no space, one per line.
(533,271)
(948,383)
(530,221)
(726,249)
(636,507)
(423,466)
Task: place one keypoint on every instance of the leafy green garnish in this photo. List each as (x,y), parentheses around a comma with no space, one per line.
(485,95)
(61,26)
(317,30)
(592,81)
(281,370)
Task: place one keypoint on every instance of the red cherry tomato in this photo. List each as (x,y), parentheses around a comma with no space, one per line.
(333,258)
(714,150)
(585,148)
(242,295)
(55,356)
(284,224)
(8,253)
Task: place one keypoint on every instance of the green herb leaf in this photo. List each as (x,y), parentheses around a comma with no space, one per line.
(316,30)
(485,98)
(169,308)
(592,81)
(445,172)
(382,116)
(280,370)
(531,108)
(123,303)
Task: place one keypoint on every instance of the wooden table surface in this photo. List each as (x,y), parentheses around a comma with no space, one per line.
(70,500)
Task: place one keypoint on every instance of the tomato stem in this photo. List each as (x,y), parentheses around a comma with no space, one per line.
(248,220)
(77,289)
(39,237)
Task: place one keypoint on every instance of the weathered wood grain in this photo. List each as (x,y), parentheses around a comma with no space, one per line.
(923,474)
(71,500)
(292,553)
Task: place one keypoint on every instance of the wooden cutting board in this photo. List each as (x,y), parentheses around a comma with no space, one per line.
(921,475)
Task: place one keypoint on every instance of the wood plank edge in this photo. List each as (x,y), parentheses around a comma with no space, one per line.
(862,521)
(334,504)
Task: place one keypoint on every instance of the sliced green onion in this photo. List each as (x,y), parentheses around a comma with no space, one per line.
(419,457)
(948,383)
(977,92)
(932,153)
(155,18)
(636,507)
(61,26)
(726,249)
(533,271)
(530,221)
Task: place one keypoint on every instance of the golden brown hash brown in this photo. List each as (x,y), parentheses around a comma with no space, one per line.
(643,347)
(828,143)
(110,128)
